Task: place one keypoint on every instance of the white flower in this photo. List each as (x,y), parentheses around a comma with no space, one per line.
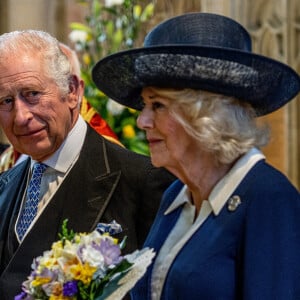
(78,36)
(93,237)
(114,107)
(109,3)
(93,257)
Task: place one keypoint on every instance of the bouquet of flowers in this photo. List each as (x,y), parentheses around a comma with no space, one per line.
(83,266)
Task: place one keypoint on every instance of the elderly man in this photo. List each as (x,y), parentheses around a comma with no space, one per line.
(83,177)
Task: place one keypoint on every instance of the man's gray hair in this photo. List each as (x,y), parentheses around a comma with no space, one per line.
(55,63)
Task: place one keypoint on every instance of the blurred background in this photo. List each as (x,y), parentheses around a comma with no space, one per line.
(95,28)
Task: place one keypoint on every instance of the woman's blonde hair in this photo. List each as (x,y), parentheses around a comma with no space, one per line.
(224,126)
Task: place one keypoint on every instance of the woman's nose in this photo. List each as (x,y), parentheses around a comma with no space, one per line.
(145,120)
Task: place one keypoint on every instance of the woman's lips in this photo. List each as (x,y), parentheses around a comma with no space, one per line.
(153,141)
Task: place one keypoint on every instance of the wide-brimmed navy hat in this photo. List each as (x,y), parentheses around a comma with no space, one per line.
(199,51)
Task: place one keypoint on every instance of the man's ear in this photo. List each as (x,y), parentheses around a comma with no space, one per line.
(76,89)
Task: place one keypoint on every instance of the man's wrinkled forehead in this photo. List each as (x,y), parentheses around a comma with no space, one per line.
(20,71)
(24,61)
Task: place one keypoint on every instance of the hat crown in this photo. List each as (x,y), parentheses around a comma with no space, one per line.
(200,51)
(200,29)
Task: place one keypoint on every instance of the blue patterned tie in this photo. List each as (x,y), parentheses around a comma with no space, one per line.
(33,196)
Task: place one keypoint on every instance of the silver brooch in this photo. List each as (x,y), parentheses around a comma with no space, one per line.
(233,203)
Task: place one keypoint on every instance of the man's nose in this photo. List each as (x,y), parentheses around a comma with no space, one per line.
(21,110)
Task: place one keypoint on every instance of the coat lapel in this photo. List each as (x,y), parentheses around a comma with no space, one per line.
(88,188)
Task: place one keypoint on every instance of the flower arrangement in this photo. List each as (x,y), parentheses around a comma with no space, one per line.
(83,266)
(110,26)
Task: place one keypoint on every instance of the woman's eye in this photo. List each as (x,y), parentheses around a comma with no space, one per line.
(157,105)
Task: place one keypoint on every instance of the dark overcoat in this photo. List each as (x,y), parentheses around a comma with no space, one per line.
(106,183)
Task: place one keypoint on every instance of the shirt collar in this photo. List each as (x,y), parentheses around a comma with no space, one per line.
(69,150)
(182,198)
(226,186)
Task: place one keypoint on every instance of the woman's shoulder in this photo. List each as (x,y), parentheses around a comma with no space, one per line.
(266,178)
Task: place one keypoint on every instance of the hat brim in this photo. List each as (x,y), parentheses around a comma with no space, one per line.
(265,83)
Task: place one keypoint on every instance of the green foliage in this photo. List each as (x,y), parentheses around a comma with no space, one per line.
(66,234)
(111,26)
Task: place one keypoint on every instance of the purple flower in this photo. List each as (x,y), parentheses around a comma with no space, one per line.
(111,252)
(21,296)
(48,273)
(70,288)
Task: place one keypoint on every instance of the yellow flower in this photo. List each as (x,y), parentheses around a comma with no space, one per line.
(40,280)
(118,37)
(86,59)
(131,110)
(58,297)
(128,131)
(57,247)
(148,12)
(83,272)
(49,263)
(89,37)
(137,10)
(77,237)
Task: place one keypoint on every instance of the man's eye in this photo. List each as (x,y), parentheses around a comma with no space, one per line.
(31,97)
(6,100)
(6,103)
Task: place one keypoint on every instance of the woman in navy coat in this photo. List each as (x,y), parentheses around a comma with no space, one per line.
(229,228)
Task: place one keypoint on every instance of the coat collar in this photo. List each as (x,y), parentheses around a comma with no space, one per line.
(226,186)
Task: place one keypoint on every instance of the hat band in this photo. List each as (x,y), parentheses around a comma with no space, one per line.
(161,68)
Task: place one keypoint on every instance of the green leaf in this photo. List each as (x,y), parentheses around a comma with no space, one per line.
(110,287)
(148,12)
(65,233)
(80,26)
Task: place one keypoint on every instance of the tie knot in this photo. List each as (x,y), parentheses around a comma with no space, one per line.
(38,168)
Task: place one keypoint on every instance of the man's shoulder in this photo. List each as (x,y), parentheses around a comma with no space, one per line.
(14,171)
(126,156)
(114,149)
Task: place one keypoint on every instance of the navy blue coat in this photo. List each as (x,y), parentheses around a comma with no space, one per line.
(252,253)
